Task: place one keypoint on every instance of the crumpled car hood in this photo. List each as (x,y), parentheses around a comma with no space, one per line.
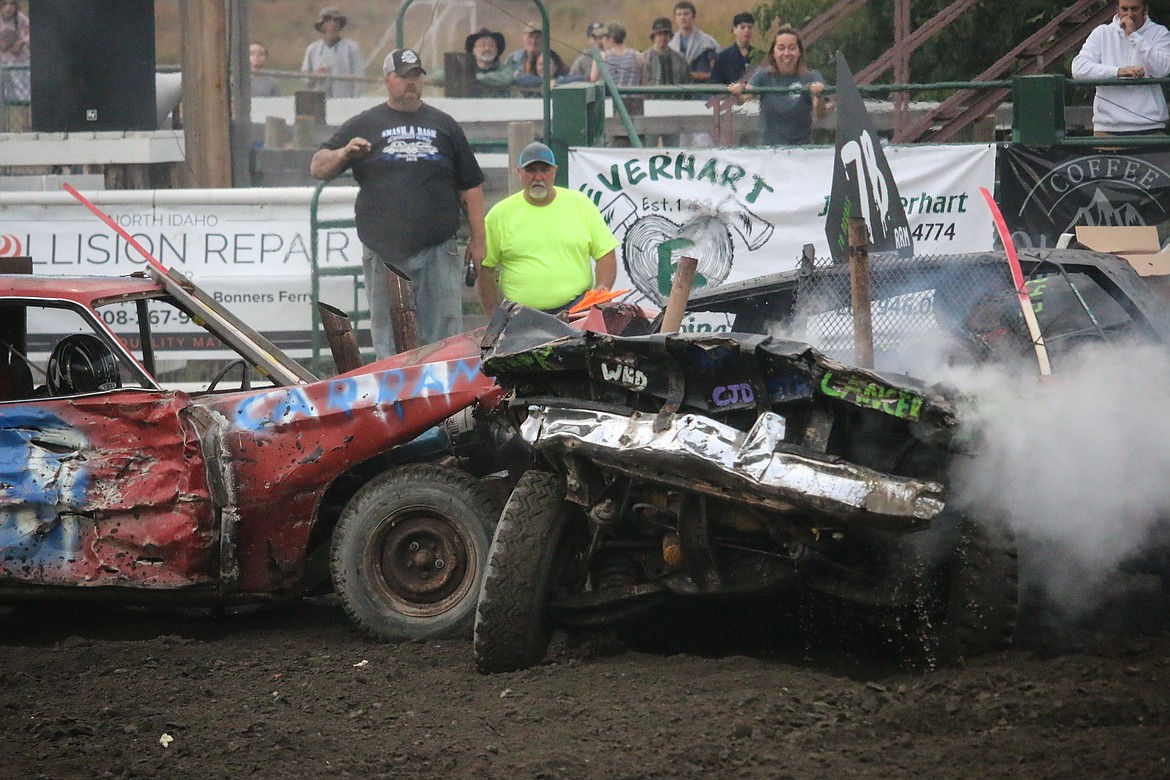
(731,415)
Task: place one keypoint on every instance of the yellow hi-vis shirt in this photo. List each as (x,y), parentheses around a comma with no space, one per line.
(545,254)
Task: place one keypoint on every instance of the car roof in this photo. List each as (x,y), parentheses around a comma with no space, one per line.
(773,297)
(81,289)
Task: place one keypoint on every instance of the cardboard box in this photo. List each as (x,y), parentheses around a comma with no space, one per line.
(1138,245)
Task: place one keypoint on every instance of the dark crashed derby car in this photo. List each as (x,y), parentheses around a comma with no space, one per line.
(250,482)
(735,460)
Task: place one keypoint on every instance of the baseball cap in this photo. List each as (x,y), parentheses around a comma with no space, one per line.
(534,153)
(402,62)
(596,29)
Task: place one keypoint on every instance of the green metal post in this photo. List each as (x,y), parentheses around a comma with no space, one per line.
(358,312)
(579,114)
(1038,110)
(619,106)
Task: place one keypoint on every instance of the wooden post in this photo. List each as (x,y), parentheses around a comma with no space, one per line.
(240,127)
(276,133)
(310,103)
(342,340)
(859,286)
(724,124)
(459,74)
(206,116)
(403,313)
(680,292)
(303,132)
(520,134)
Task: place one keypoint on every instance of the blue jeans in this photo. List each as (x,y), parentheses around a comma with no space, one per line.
(436,274)
(565,306)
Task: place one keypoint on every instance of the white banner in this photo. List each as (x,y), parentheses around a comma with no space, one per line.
(248,248)
(749,212)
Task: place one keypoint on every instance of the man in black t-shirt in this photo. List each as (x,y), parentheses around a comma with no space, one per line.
(733,63)
(415,171)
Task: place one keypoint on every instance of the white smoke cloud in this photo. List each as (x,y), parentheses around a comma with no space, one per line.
(1076,462)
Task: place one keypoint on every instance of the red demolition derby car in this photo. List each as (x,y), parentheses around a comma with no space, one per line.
(130,476)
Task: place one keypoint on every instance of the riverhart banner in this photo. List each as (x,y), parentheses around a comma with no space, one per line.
(1045,192)
(748,212)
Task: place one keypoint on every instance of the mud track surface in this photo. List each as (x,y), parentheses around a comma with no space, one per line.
(296,691)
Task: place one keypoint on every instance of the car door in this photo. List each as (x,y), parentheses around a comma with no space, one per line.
(102,479)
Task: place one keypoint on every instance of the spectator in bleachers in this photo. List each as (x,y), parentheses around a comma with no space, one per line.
(733,62)
(262,85)
(624,63)
(558,67)
(699,50)
(492,79)
(697,47)
(786,117)
(1131,46)
(663,65)
(334,56)
(583,65)
(522,62)
(14,51)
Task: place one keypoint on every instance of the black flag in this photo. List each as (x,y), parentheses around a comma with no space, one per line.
(862,183)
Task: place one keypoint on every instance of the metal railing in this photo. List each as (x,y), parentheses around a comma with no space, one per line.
(1038,103)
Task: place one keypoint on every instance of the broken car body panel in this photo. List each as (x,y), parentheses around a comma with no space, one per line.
(285,446)
(702,455)
(104,490)
(708,413)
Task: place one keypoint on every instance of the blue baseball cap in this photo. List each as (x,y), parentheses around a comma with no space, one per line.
(534,153)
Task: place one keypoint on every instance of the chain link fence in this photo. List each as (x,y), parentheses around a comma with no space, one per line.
(918,305)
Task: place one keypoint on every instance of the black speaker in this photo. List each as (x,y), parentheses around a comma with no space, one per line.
(92,65)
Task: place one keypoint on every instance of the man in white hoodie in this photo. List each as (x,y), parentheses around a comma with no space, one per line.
(1131,46)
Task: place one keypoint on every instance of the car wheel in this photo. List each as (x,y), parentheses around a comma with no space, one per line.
(511,631)
(979,594)
(409,553)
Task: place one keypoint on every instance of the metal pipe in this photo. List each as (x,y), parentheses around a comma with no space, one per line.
(342,340)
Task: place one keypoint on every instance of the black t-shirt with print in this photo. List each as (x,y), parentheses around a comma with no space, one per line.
(410,183)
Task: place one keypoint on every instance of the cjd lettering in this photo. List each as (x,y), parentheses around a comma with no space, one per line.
(726,395)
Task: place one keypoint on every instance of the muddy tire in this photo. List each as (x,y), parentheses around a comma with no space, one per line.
(510,627)
(409,553)
(979,596)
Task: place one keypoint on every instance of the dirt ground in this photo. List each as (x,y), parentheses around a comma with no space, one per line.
(295,691)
